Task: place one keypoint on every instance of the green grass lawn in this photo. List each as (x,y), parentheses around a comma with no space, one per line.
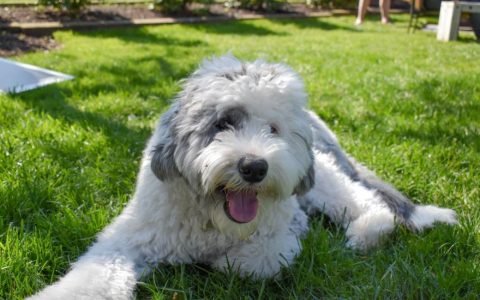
(404,104)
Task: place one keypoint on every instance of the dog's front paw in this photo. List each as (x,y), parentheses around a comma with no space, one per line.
(260,258)
(248,266)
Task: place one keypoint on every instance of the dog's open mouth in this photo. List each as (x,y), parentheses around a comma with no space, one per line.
(241,206)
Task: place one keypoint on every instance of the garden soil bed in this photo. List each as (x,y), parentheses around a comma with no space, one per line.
(33,14)
(17,43)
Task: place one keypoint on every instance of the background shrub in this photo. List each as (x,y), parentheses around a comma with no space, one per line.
(261,5)
(72,6)
(347,4)
(171,6)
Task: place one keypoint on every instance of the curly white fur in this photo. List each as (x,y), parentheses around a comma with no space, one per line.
(229,110)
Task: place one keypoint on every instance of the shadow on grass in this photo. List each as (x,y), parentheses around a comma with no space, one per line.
(54,100)
(141,73)
(137,76)
(437,111)
(126,143)
(322,23)
(237,28)
(468,39)
(452,103)
(141,35)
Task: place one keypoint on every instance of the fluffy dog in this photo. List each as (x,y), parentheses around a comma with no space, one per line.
(229,177)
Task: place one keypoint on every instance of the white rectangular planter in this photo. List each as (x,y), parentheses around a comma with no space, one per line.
(17,77)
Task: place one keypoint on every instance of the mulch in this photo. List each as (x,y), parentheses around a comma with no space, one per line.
(31,14)
(12,44)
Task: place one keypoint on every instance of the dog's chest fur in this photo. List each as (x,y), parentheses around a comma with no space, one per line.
(181,231)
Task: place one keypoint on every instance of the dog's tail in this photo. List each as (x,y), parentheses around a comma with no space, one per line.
(415,217)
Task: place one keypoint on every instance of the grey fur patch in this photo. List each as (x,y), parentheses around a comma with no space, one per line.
(344,162)
(307,182)
(228,76)
(163,161)
(307,204)
(232,76)
(401,206)
(211,122)
(299,224)
(175,145)
(325,145)
(235,116)
(398,203)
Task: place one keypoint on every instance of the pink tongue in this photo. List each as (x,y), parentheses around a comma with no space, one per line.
(242,206)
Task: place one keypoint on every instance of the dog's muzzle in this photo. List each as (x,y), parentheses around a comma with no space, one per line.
(252,169)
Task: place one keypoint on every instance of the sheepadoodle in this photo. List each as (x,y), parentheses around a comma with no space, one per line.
(229,178)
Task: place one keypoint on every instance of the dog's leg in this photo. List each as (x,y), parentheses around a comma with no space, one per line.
(362,181)
(112,266)
(325,141)
(358,209)
(104,272)
(415,217)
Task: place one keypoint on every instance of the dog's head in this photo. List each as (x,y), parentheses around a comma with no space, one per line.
(239,135)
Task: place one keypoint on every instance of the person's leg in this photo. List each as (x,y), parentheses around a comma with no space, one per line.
(362,10)
(384,11)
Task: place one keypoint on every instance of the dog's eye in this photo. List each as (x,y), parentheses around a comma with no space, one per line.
(223,124)
(273,129)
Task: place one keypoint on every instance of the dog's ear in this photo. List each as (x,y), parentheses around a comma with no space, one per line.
(163,161)
(306,183)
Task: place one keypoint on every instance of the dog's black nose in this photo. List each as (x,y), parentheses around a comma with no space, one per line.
(252,169)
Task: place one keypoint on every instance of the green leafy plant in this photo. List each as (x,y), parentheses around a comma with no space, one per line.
(171,6)
(261,5)
(347,4)
(72,6)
